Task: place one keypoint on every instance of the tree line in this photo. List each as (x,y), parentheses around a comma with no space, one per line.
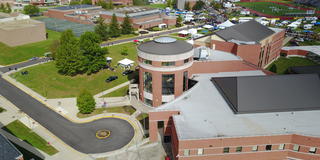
(5,8)
(113,29)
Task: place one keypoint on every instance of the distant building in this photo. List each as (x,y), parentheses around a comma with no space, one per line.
(140,17)
(181,3)
(117,2)
(19,30)
(251,41)
(8,151)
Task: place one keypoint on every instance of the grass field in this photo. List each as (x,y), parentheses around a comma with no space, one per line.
(283,64)
(10,55)
(46,80)
(124,109)
(269,8)
(162,6)
(19,130)
(118,93)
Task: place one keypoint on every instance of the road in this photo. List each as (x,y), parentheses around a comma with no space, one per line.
(82,137)
(23,64)
(146,36)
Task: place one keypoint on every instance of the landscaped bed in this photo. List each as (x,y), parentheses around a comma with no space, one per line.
(45,79)
(21,131)
(2,110)
(10,55)
(282,64)
(124,109)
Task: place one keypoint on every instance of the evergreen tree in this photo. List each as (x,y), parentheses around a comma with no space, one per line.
(8,8)
(114,27)
(53,48)
(2,7)
(110,4)
(179,21)
(126,27)
(75,2)
(187,6)
(169,3)
(199,5)
(273,68)
(93,54)
(85,102)
(102,29)
(68,56)
(103,4)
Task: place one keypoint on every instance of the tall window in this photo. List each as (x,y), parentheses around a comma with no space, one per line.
(168,84)
(186,60)
(239,149)
(226,150)
(147,82)
(268,147)
(168,63)
(185,80)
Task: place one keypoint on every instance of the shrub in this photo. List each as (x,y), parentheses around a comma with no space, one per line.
(85,102)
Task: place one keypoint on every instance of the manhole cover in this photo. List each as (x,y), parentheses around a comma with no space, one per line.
(102,134)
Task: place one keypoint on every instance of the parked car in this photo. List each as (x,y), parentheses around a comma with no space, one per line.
(111,78)
(127,72)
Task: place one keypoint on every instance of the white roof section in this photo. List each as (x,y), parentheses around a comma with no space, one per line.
(214,55)
(126,62)
(184,32)
(226,24)
(207,26)
(205,114)
(313,49)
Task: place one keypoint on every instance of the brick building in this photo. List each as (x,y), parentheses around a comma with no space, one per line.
(19,30)
(117,2)
(251,41)
(140,17)
(212,102)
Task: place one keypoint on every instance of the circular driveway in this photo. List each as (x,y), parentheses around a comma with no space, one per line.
(80,136)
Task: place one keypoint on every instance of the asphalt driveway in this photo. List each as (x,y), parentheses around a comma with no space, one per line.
(82,137)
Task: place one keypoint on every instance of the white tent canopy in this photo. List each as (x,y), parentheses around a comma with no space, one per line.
(126,63)
(184,32)
(207,26)
(225,24)
(108,58)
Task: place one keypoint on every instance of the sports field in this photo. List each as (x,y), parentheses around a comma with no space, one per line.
(270,8)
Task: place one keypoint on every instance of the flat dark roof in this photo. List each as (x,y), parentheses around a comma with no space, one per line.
(305,69)
(7,150)
(64,8)
(277,93)
(177,47)
(251,31)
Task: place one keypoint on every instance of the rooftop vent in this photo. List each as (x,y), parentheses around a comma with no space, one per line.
(165,40)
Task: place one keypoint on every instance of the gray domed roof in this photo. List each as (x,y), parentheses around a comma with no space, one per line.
(165,46)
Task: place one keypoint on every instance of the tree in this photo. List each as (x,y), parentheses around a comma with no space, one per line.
(216,5)
(2,7)
(114,27)
(124,51)
(31,9)
(102,29)
(174,3)
(179,21)
(75,2)
(126,27)
(169,3)
(85,102)
(273,68)
(8,8)
(68,56)
(187,6)
(53,48)
(93,54)
(86,2)
(199,5)
(110,4)
(103,4)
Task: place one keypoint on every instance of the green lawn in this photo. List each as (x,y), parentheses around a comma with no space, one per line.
(124,109)
(118,93)
(123,36)
(269,8)
(162,6)
(46,80)
(19,130)
(282,64)
(10,55)
(142,116)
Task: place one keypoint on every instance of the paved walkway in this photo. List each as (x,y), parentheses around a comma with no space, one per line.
(111,89)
